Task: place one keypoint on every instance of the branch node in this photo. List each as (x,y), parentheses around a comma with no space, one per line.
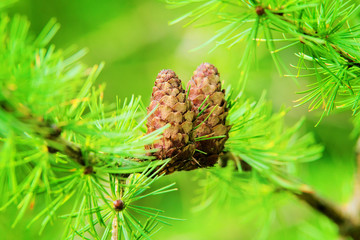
(260,10)
(88,170)
(118,205)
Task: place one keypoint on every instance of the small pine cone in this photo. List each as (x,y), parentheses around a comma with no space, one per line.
(206,83)
(172,108)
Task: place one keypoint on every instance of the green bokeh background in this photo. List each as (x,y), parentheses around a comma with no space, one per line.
(134,40)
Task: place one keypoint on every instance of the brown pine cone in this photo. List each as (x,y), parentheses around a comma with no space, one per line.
(212,122)
(172,108)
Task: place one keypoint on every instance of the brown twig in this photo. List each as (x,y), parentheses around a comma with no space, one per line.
(323,206)
(348,226)
(228,156)
(353,207)
(59,144)
(49,131)
(351,60)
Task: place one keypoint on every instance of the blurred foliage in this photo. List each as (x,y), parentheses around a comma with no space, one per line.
(324,31)
(135,41)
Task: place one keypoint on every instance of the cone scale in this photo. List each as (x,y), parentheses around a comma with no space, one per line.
(192,121)
(172,107)
(209,105)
